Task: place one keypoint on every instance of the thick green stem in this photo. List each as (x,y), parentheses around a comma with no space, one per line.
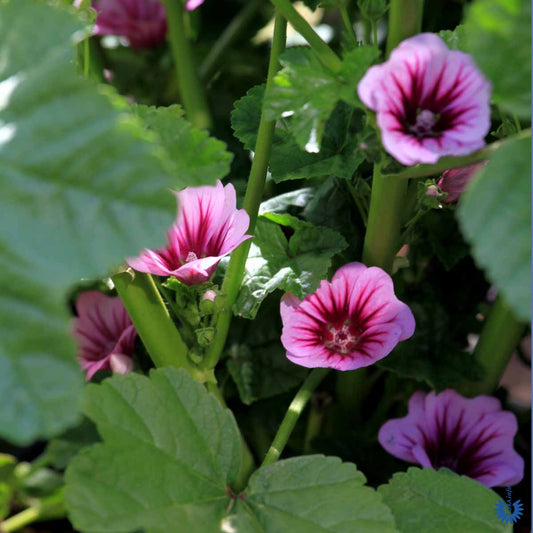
(191,90)
(447,163)
(293,414)
(405,20)
(382,238)
(153,322)
(252,200)
(324,52)
(499,338)
(228,36)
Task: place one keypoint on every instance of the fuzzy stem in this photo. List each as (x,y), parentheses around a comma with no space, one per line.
(324,52)
(292,415)
(191,90)
(228,36)
(405,20)
(348,24)
(447,163)
(499,338)
(315,420)
(152,320)
(252,200)
(20,520)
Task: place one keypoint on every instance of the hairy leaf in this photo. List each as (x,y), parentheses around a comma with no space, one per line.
(495,216)
(442,501)
(196,158)
(498,35)
(81,187)
(311,493)
(169,451)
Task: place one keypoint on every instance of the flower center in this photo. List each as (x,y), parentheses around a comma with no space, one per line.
(424,124)
(191,256)
(341,339)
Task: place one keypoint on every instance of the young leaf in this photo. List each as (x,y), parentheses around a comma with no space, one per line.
(495,217)
(197,159)
(311,494)
(498,35)
(339,155)
(74,200)
(427,500)
(308,91)
(296,265)
(169,451)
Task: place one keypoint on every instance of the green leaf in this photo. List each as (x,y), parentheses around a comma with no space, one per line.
(263,372)
(456,39)
(196,158)
(74,200)
(169,451)
(432,355)
(495,217)
(440,502)
(309,91)
(296,265)
(311,494)
(257,360)
(62,449)
(498,35)
(338,155)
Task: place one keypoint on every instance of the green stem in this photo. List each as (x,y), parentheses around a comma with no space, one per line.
(228,36)
(192,92)
(405,20)
(382,238)
(367,31)
(351,388)
(348,24)
(20,520)
(315,420)
(252,200)
(292,415)
(374,27)
(153,322)
(499,338)
(447,163)
(86,58)
(324,52)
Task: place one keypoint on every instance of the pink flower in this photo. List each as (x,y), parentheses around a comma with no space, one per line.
(208,227)
(472,437)
(430,101)
(454,182)
(191,5)
(142,22)
(349,323)
(105,334)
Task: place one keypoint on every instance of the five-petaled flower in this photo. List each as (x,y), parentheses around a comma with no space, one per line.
(350,322)
(453,182)
(472,437)
(142,22)
(430,101)
(208,227)
(104,333)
